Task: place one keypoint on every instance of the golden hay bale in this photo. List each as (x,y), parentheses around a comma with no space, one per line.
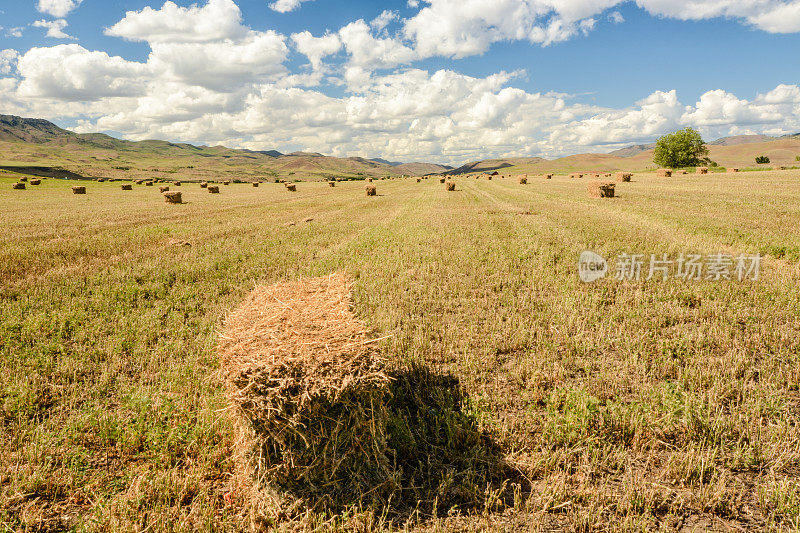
(372,190)
(601,189)
(442,179)
(419,180)
(331,183)
(100,180)
(173,197)
(176,183)
(19,186)
(78,189)
(702,170)
(36,182)
(148,183)
(226,182)
(369,180)
(291,187)
(127,187)
(23,179)
(664,173)
(489,177)
(576,175)
(733,169)
(163,188)
(138,182)
(213,189)
(523,180)
(624,176)
(451,185)
(203,184)
(548,176)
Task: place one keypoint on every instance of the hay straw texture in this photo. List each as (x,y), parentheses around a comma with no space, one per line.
(601,189)
(733,169)
(127,187)
(19,186)
(369,180)
(308,389)
(176,183)
(23,179)
(78,189)
(702,170)
(291,187)
(226,182)
(664,173)
(623,176)
(173,197)
(148,183)
(333,183)
(138,182)
(36,182)
(523,180)
(372,190)
(255,184)
(548,176)
(203,184)
(442,180)
(451,185)
(213,189)
(163,188)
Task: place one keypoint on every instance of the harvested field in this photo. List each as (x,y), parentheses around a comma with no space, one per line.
(613,406)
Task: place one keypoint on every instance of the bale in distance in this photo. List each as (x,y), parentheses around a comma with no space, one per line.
(733,169)
(331,183)
(173,197)
(548,176)
(664,173)
(176,183)
(576,175)
(78,189)
(419,180)
(127,187)
(601,189)
(100,180)
(702,170)
(372,190)
(203,184)
(442,179)
(20,186)
(23,179)
(36,182)
(451,185)
(291,187)
(255,184)
(148,183)
(138,182)
(163,189)
(226,182)
(523,180)
(624,176)
(213,189)
(369,180)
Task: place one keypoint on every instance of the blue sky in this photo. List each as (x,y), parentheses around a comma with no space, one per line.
(442,80)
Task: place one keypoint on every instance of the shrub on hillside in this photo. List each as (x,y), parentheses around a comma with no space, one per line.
(762,159)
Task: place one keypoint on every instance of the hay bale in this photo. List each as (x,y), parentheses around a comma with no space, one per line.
(372,190)
(100,180)
(548,176)
(78,189)
(369,180)
(23,179)
(623,176)
(333,183)
(523,180)
(127,187)
(451,185)
(213,189)
(419,180)
(36,182)
(576,175)
(601,189)
(702,170)
(442,179)
(255,184)
(173,197)
(291,187)
(489,177)
(733,169)
(664,173)
(176,183)
(138,182)
(226,182)
(163,189)
(18,186)
(203,184)
(148,183)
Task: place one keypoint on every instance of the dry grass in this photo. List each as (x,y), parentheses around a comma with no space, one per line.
(628,406)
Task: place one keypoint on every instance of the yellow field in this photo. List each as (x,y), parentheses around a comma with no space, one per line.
(622,405)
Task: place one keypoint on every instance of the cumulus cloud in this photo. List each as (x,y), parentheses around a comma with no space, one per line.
(284,6)
(384,19)
(218,19)
(316,48)
(57,8)
(8,60)
(55,28)
(13,32)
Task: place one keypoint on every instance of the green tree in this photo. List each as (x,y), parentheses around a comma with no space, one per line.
(762,159)
(684,148)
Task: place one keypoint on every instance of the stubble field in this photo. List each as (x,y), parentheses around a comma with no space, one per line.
(621,405)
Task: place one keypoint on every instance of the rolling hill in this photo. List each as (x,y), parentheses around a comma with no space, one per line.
(27,143)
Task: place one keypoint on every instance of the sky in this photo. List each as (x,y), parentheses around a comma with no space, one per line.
(445,81)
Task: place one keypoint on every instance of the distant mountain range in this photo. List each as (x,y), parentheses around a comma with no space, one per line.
(725,141)
(28,142)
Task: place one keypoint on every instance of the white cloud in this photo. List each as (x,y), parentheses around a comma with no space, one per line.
(284,6)
(57,8)
(13,32)
(384,19)
(8,60)
(55,28)
(316,48)
(616,17)
(70,72)
(218,19)
(370,52)
(773,16)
